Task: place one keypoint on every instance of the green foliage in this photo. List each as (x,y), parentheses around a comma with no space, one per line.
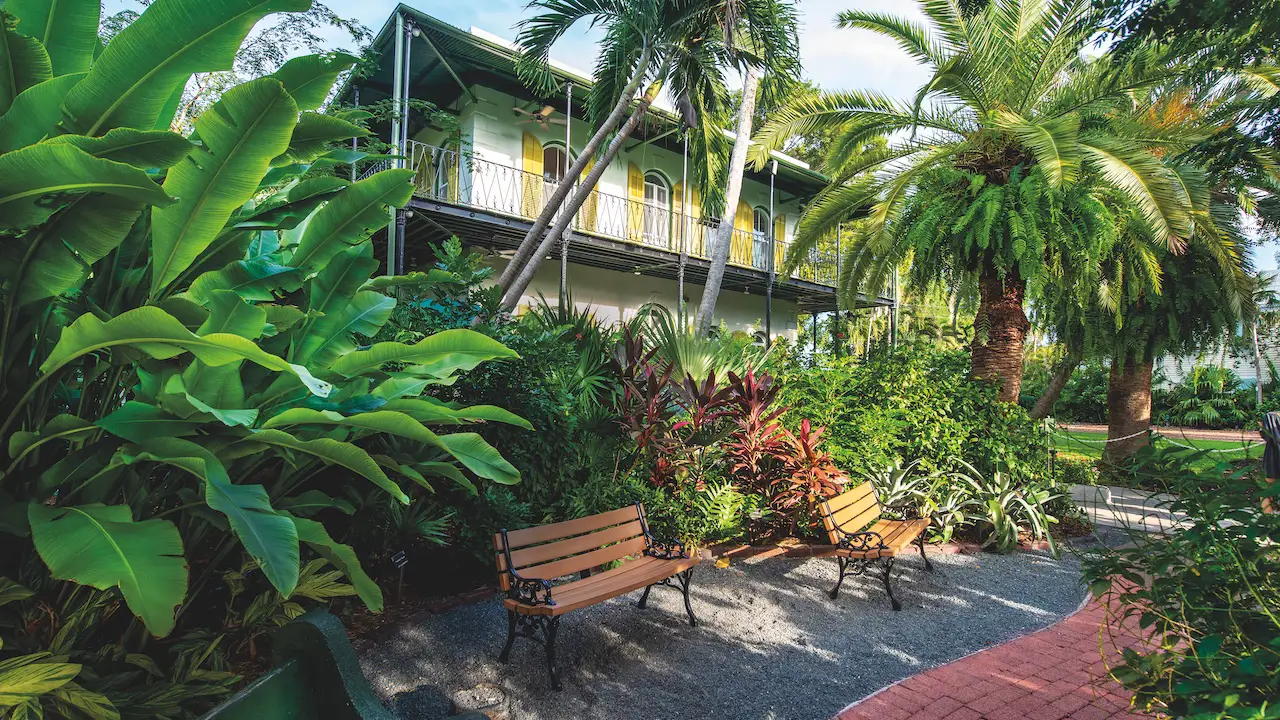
(911,405)
(1204,597)
(186,394)
(1083,398)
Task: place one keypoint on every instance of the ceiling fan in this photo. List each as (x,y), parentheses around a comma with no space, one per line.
(542,117)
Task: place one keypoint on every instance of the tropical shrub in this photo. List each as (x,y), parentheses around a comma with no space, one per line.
(909,405)
(1204,597)
(186,390)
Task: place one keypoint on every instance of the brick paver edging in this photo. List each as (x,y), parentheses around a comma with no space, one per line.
(1051,674)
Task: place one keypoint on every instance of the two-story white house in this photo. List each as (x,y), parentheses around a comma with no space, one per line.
(636,237)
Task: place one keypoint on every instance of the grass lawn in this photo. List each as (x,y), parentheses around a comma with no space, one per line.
(1089,444)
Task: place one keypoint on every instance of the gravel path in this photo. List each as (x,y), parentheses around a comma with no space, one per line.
(770,644)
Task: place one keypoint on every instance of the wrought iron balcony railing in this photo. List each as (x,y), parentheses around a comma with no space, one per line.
(464,179)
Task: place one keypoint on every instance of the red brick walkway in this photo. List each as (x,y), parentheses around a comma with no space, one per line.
(1049,675)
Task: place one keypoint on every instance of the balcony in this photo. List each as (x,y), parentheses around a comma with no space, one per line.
(464,180)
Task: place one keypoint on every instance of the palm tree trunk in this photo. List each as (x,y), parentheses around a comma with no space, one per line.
(1061,375)
(524,274)
(530,241)
(1001,319)
(1257,363)
(1128,408)
(724,233)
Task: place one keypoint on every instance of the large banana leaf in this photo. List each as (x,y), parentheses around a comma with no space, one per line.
(309,78)
(158,334)
(177,398)
(389,423)
(148,62)
(313,136)
(329,338)
(33,177)
(481,458)
(101,546)
(24,61)
(241,133)
(139,148)
(285,210)
(341,278)
(217,386)
(437,355)
(250,279)
(57,256)
(34,112)
(351,216)
(429,412)
(67,28)
(344,558)
(268,536)
(333,452)
(229,314)
(137,421)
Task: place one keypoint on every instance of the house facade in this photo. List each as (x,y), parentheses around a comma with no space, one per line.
(643,236)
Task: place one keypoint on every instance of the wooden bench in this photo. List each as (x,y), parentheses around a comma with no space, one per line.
(862,537)
(531,560)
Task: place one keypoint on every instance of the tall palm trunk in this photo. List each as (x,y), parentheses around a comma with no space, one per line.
(524,274)
(1002,321)
(530,241)
(1257,363)
(1061,374)
(1128,408)
(724,233)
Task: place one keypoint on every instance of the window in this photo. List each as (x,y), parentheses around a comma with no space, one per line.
(760,236)
(657,211)
(554,163)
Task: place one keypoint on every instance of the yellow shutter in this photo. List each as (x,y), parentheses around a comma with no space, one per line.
(531,200)
(698,236)
(635,206)
(740,247)
(587,213)
(779,240)
(450,163)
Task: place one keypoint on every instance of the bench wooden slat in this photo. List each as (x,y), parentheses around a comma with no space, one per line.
(578,563)
(565,548)
(611,583)
(566,529)
(858,515)
(851,496)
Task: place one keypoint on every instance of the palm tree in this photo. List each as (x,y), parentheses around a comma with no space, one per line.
(1011,118)
(760,36)
(663,42)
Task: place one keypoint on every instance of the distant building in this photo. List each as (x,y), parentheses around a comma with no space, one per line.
(630,239)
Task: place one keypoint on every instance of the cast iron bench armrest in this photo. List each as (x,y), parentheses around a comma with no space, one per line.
(530,591)
(664,549)
(861,541)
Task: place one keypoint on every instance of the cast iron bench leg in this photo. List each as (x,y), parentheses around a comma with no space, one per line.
(835,591)
(644,599)
(928,566)
(511,637)
(686,578)
(550,629)
(888,568)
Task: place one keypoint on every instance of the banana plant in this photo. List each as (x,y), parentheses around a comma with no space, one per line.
(186,383)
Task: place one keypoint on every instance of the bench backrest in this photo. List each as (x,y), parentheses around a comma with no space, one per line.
(546,552)
(850,511)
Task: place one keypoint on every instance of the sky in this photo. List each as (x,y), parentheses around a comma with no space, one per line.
(835,59)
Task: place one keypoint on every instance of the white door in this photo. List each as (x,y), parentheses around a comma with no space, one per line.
(657,212)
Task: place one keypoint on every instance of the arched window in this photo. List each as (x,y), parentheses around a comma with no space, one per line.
(656,227)
(760,236)
(555,161)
